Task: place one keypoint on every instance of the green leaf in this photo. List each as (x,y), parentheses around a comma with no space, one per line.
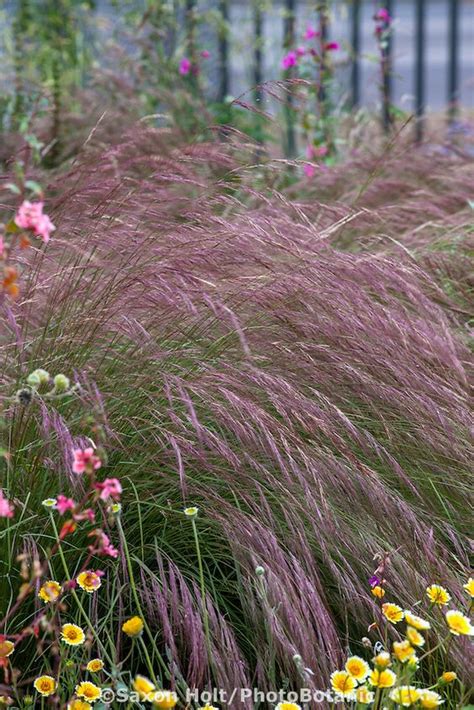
(34,187)
(12,228)
(13,188)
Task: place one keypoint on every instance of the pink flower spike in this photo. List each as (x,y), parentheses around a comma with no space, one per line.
(85,460)
(63,504)
(289,60)
(185,66)
(310,33)
(2,248)
(6,508)
(110,488)
(309,170)
(331,46)
(205,54)
(301,51)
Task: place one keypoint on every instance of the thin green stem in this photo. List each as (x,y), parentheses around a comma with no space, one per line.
(202,583)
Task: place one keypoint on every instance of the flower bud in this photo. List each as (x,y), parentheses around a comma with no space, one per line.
(61,383)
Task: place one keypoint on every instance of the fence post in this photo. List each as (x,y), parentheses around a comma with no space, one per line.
(190,24)
(258,64)
(420,69)
(323,66)
(453,75)
(288,43)
(387,72)
(355,41)
(224,50)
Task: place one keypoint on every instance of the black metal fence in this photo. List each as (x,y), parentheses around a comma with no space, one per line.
(322,18)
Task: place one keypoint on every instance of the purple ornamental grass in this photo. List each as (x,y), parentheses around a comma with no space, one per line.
(295,367)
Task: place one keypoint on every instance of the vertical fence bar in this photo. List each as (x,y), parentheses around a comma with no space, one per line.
(224,50)
(420,69)
(387,68)
(453,72)
(258,65)
(190,25)
(288,43)
(355,42)
(323,20)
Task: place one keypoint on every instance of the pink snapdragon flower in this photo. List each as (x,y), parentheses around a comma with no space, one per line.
(85,460)
(110,488)
(185,66)
(30,216)
(313,151)
(309,170)
(6,508)
(64,504)
(331,46)
(104,546)
(2,248)
(311,33)
(205,54)
(289,60)
(301,51)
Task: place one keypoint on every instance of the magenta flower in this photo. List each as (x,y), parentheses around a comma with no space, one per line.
(85,460)
(110,488)
(311,33)
(30,216)
(63,504)
(309,170)
(313,151)
(383,15)
(331,46)
(2,248)
(374,581)
(205,54)
(6,508)
(185,66)
(289,60)
(106,547)
(301,51)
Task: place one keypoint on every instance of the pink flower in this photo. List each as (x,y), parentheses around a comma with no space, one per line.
(2,248)
(185,66)
(310,33)
(309,170)
(331,46)
(313,151)
(87,514)
(205,54)
(383,15)
(289,60)
(301,51)
(110,488)
(6,508)
(85,460)
(63,504)
(30,216)
(104,546)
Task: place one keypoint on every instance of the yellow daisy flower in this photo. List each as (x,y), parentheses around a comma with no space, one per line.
(72,635)
(429,699)
(438,595)
(459,624)
(143,686)
(405,695)
(95,665)
(382,660)
(414,637)
(448,677)
(378,591)
(191,512)
(357,668)
(6,648)
(50,591)
(403,651)
(416,621)
(364,696)
(88,691)
(213,707)
(78,705)
(133,627)
(164,699)
(469,586)
(382,679)
(89,581)
(343,683)
(392,612)
(286,706)
(45,685)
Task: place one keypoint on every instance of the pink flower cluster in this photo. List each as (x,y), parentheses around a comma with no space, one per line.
(383,20)
(291,58)
(110,488)
(85,461)
(186,66)
(30,216)
(313,152)
(6,508)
